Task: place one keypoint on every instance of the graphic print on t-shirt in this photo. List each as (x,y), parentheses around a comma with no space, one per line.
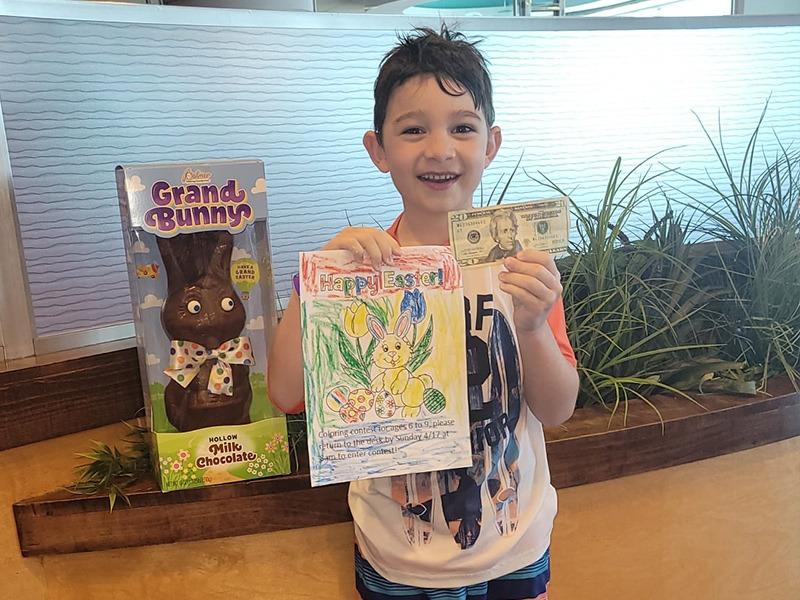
(414,495)
(495,396)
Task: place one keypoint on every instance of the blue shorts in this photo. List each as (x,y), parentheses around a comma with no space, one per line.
(528,582)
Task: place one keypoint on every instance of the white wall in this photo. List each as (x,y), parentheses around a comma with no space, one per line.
(80,96)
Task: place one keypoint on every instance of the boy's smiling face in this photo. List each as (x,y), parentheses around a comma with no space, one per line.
(434,145)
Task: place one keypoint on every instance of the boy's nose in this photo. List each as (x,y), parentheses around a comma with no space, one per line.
(439,147)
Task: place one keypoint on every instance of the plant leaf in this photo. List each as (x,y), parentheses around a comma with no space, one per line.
(423,349)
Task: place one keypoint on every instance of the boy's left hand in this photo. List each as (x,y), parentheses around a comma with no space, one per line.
(534,284)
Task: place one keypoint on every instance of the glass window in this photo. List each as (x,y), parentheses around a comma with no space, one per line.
(647,8)
(533,8)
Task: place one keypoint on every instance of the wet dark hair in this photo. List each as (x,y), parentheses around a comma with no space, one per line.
(454,61)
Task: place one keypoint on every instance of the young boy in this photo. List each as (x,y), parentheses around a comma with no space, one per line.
(481,532)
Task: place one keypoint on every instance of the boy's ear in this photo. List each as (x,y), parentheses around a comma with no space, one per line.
(493,145)
(375,150)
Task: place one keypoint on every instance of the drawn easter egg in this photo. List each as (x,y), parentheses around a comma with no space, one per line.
(350,414)
(385,406)
(434,400)
(362,399)
(337,398)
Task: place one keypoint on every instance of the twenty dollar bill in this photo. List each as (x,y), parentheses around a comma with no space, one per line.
(486,235)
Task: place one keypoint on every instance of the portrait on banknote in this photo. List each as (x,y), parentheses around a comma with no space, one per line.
(503,228)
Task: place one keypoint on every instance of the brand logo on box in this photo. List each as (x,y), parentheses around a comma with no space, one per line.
(197,205)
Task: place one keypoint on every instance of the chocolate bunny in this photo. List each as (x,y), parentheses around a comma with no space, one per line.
(203,317)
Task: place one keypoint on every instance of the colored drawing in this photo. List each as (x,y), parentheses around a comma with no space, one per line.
(385,365)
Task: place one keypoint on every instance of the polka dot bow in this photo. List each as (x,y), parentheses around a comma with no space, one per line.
(186,358)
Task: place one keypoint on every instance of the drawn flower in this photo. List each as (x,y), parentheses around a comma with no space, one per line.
(183,455)
(355,319)
(414,302)
(176,466)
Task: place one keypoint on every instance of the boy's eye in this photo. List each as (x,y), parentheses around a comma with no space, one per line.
(464,129)
(412,131)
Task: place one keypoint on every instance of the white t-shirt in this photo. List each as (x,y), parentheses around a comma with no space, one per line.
(464,526)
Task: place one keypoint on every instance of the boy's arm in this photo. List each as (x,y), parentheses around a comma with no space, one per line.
(550,381)
(285,372)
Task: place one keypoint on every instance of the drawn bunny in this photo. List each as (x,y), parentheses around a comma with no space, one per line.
(204,317)
(392,354)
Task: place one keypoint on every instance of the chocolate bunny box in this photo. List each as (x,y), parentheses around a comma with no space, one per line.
(197,248)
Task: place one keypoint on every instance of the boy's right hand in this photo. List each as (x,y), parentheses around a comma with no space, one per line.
(366,244)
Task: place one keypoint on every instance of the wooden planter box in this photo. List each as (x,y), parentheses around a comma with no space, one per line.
(47,401)
(587,449)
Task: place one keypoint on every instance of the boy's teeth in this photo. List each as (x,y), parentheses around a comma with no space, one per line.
(438,177)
